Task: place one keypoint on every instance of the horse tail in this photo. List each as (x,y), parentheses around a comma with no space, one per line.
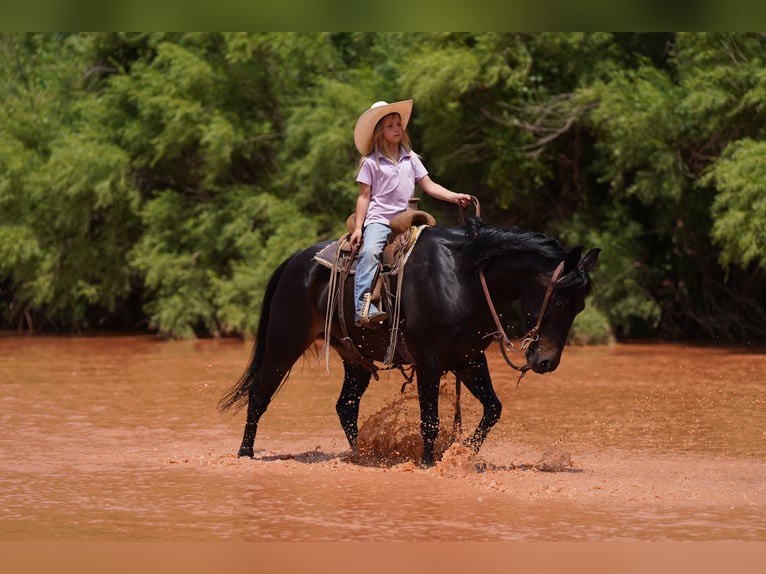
(237,396)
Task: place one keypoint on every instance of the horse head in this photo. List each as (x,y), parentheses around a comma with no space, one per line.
(550,306)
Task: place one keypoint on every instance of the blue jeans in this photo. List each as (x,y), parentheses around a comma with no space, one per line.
(375,236)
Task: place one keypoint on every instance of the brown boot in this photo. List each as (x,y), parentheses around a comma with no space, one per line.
(378,318)
(367,320)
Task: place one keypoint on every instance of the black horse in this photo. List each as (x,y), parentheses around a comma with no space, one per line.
(456,297)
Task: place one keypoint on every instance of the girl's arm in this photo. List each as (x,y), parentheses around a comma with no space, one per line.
(440,192)
(362,203)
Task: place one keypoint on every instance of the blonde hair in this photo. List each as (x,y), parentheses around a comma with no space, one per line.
(378,147)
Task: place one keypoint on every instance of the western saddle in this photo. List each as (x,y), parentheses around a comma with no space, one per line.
(340,258)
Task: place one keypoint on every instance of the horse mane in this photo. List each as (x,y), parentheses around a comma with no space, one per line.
(485,242)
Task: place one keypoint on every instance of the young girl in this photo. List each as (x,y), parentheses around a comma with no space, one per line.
(387,175)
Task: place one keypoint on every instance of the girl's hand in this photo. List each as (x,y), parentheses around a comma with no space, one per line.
(356,238)
(463,200)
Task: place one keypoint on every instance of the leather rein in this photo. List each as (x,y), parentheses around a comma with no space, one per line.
(532,336)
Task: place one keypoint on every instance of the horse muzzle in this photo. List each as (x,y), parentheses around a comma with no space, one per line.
(541,361)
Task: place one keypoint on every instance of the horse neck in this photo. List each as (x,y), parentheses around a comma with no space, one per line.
(511,274)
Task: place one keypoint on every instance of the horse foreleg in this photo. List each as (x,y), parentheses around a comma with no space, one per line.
(476,379)
(428,397)
(355,382)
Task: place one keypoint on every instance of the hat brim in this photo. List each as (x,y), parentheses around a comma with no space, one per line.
(365,125)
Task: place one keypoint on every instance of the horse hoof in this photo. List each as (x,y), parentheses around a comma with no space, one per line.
(245,452)
(472,445)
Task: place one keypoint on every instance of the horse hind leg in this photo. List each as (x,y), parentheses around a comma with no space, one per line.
(261,392)
(289,323)
(282,349)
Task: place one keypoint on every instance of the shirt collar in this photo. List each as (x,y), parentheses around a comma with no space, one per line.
(403,154)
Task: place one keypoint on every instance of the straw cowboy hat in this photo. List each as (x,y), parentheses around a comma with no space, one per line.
(366,123)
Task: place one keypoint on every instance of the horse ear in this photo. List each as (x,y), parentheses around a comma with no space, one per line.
(572,259)
(589,261)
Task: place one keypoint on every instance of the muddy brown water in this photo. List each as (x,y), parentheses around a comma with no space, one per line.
(118,439)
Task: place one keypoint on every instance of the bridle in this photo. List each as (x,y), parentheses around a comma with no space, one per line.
(532,336)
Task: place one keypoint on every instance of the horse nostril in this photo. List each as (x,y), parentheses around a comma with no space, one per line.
(545,365)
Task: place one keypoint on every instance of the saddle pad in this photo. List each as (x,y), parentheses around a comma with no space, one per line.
(327,256)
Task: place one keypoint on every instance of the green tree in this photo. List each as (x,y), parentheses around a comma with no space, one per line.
(67,203)
(202,120)
(157,179)
(659,131)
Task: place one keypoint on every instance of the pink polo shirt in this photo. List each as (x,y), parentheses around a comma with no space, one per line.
(391,185)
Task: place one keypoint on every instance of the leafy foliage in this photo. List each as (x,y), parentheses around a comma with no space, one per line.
(155,180)
(740,206)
